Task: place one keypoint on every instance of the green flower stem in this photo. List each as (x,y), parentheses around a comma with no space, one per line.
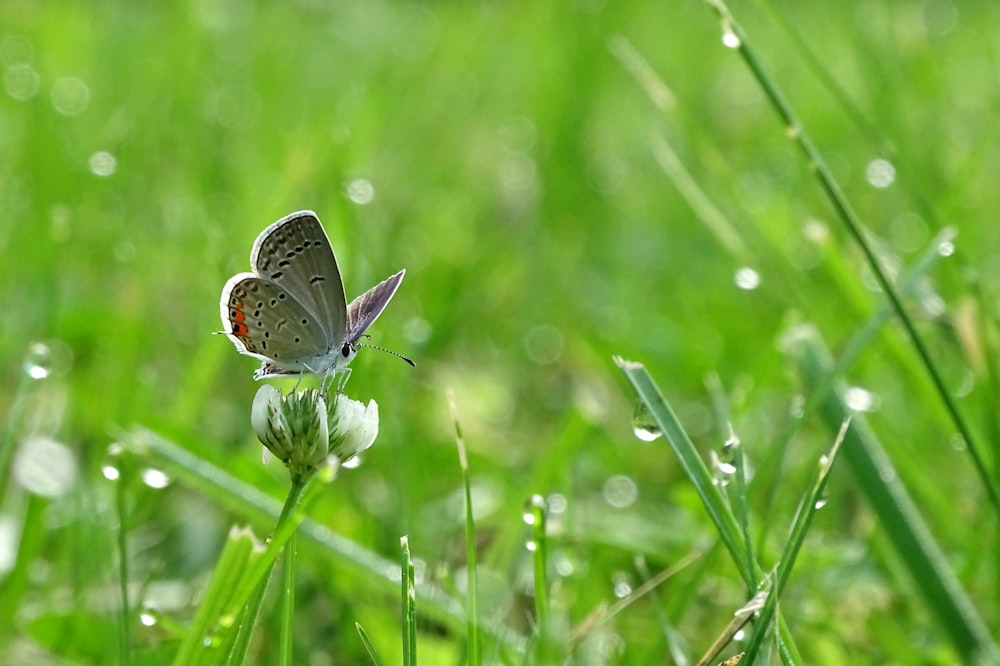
(288,598)
(288,602)
(255,602)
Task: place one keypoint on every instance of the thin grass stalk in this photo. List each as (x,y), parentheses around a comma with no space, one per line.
(539,553)
(369,645)
(810,504)
(740,495)
(738,40)
(475,656)
(122,546)
(409,629)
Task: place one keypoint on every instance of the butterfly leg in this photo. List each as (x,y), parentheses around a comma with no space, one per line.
(345,374)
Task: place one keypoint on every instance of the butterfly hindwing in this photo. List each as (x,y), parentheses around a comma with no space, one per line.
(266,321)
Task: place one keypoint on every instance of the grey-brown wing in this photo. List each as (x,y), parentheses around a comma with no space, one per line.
(295,254)
(365,309)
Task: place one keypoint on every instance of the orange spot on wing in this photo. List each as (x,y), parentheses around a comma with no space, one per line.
(237,319)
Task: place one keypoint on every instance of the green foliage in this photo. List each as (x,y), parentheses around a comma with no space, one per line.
(563,183)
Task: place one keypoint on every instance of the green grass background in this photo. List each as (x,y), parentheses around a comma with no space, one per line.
(512,159)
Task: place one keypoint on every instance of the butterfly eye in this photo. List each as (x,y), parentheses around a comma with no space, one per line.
(346,349)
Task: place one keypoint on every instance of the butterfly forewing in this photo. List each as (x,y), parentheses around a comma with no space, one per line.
(295,254)
(266,321)
(365,309)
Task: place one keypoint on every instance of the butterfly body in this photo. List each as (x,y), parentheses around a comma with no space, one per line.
(290,311)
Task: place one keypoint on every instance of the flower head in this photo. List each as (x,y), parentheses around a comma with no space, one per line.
(305,428)
(293,427)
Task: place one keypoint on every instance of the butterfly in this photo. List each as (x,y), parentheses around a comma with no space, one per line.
(291,311)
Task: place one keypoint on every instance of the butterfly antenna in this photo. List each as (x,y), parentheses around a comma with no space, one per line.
(389,351)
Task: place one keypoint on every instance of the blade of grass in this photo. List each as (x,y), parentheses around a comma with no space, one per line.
(692,463)
(707,491)
(810,504)
(121,543)
(898,516)
(369,646)
(536,513)
(248,619)
(475,657)
(737,38)
(409,605)
(201,639)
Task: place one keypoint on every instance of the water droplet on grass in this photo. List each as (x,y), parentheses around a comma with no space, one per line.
(38,360)
(155,478)
(643,424)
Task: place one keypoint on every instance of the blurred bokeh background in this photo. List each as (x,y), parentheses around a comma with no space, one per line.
(507,156)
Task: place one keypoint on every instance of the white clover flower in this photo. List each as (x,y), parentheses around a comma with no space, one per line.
(304,429)
(293,427)
(353,427)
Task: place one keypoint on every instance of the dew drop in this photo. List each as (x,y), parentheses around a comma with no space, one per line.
(730,40)
(564,565)
(621,585)
(880,173)
(155,478)
(38,360)
(544,344)
(534,510)
(70,95)
(820,503)
(531,545)
(643,424)
(45,467)
(21,82)
(620,491)
(110,472)
(360,191)
(103,163)
(747,279)
(147,619)
(556,503)
(861,400)
(647,434)
(722,471)
(946,249)
(815,232)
